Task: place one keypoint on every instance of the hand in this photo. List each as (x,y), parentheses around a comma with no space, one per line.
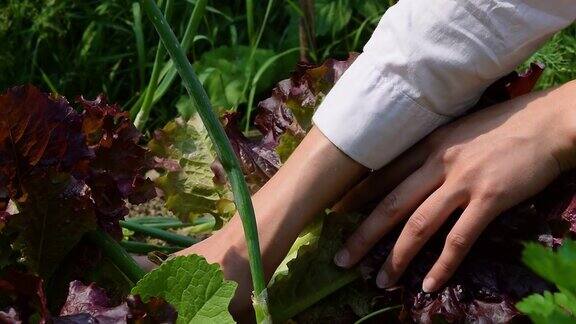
(484,164)
(315,176)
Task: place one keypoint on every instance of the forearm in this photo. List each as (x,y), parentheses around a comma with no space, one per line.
(314,177)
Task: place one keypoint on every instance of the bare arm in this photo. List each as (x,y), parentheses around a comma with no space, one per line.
(314,177)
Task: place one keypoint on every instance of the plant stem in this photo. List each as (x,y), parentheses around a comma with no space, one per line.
(250,20)
(250,63)
(223,150)
(306,30)
(117,255)
(144,112)
(144,248)
(376,313)
(169,237)
(139,36)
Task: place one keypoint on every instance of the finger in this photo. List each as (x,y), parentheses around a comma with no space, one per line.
(465,232)
(383,181)
(423,223)
(391,210)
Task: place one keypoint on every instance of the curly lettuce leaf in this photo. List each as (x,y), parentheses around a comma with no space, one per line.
(257,158)
(117,171)
(194,287)
(23,296)
(93,301)
(282,120)
(65,173)
(51,199)
(37,132)
(190,190)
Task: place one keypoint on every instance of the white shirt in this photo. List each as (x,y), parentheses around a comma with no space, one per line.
(427,62)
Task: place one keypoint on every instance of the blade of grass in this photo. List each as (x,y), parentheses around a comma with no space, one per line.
(169,71)
(48,82)
(139,36)
(257,77)
(250,21)
(173,238)
(376,313)
(253,48)
(144,112)
(224,152)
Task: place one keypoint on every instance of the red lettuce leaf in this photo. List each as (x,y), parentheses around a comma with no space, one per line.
(93,301)
(26,295)
(258,159)
(51,199)
(284,117)
(156,310)
(114,139)
(37,132)
(66,171)
(118,168)
(293,101)
(90,303)
(10,316)
(84,304)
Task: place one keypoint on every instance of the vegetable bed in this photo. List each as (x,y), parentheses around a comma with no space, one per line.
(74,175)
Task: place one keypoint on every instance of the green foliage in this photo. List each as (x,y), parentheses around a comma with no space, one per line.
(557,267)
(190,191)
(195,288)
(222,72)
(332,16)
(559,56)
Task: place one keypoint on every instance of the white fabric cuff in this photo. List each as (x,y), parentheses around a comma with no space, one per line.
(368,117)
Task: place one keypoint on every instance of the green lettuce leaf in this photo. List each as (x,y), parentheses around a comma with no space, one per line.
(311,275)
(195,288)
(190,190)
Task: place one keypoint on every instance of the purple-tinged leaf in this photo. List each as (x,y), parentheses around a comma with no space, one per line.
(92,300)
(258,159)
(26,291)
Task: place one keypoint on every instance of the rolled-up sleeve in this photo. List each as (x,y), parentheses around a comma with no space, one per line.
(427,62)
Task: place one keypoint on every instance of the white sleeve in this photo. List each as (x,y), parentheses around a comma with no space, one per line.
(427,62)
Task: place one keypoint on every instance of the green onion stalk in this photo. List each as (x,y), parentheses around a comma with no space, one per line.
(173,238)
(117,255)
(224,152)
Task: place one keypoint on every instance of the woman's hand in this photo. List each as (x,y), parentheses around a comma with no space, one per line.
(484,164)
(315,176)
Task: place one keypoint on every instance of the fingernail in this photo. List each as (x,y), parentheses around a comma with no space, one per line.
(429,285)
(382,280)
(342,258)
